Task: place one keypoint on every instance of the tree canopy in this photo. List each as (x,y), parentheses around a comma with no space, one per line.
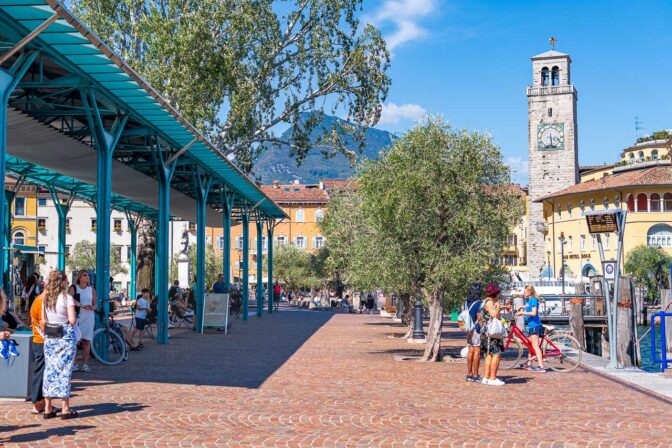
(213,265)
(297,268)
(650,267)
(83,256)
(238,68)
(431,216)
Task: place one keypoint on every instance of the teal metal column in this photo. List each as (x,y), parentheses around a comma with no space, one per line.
(227,204)
(260,267)
(203,184)
(7,240)
(246,262)
(62,212)
(105,142)
(133,224)
(8,81)
(269,242)
(165,174)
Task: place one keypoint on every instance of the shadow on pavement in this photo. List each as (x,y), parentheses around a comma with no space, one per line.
(44,434)
(246,357)
(92,410)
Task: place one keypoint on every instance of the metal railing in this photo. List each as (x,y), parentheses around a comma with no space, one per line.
(555,305)
(549,90)
(663,360)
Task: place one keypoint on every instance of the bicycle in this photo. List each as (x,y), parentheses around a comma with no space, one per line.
(559,350)
(107,344)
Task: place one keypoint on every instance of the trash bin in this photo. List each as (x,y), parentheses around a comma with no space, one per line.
(17,373)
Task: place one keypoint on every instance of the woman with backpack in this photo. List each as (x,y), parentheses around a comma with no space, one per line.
(473,308)
(493,344)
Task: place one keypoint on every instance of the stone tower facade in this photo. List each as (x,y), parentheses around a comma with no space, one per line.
(552,146)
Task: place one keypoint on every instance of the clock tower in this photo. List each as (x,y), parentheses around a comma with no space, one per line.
(552,146)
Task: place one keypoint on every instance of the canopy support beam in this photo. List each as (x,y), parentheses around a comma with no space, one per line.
(270,228)
(133,224)
(165,174)
(26,40)
(8,81)
(202,187)
(227,204)
(62,210)
(246,261)
(260,266)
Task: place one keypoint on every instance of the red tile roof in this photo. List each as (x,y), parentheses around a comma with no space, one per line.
(296,193)
(653,176)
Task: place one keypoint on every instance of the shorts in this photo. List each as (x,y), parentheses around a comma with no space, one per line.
(473,338)
(140,323)
(492,346)
(537,329)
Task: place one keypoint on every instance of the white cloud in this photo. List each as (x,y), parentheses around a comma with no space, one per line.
(403,16)
(520,169)
(393,114)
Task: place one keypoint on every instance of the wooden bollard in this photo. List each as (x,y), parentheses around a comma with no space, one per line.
(627,354)
(576,321)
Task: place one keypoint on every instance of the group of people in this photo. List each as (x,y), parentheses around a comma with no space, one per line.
(481,312)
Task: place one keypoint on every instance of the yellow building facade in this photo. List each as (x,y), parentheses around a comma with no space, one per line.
(640,182)
(304,204)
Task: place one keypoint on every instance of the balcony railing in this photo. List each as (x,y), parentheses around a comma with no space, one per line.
(549,90)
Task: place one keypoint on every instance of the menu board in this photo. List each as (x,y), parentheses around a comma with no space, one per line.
(602,223)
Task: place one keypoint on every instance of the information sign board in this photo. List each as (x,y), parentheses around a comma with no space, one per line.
(602,223)
(609,269)
(216,312)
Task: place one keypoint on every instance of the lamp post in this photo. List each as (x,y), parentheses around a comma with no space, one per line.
(562,260)
(548,254)
(418,331)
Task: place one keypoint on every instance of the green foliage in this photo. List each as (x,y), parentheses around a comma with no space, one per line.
(83,256)
(650,267)
(432,214)
(213,266)
(297,268)
(256,64)
(657,135)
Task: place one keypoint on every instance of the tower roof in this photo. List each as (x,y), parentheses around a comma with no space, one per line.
(551,54)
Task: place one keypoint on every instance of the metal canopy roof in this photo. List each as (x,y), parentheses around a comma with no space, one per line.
(73,58)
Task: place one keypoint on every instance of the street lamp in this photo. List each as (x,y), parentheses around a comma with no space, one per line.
(548,254)
(562,260)
(418,331)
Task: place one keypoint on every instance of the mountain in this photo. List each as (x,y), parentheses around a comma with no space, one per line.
(275,163)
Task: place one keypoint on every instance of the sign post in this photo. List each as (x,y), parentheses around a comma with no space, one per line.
(610,221)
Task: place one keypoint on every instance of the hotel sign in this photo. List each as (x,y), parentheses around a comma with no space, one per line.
(603,221)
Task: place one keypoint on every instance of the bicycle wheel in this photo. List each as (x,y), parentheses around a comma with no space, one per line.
(511,354)
(108,346)
(562,353)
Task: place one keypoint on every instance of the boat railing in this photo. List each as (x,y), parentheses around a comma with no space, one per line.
(559,304)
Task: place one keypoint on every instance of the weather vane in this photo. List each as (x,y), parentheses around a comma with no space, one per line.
(553,41)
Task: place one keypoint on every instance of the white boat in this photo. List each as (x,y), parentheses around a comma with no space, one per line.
(553,302)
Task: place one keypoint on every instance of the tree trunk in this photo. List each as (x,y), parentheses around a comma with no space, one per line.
(433,347)
(407,315)
(146,251)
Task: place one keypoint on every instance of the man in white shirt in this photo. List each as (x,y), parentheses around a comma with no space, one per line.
(141,308)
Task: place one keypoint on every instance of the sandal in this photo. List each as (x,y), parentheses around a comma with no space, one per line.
(70,415)
(54,409)
(50,415)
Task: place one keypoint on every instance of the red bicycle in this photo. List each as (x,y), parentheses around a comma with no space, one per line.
(560,351)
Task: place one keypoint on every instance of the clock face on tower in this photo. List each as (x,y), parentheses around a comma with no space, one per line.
(550,136)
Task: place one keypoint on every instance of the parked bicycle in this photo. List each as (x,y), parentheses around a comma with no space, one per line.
(108,345)
(560,351)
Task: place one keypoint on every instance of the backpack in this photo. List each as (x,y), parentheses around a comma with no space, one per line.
(465,317)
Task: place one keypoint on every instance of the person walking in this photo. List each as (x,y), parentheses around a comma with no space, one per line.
(38,355)
(86,300)
(60,345)
(493,346)
(474,335)
(534,329)
(141,308)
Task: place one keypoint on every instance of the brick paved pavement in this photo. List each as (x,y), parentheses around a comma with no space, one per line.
(317,379)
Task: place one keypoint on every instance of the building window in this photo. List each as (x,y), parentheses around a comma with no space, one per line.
(569,209)
(631,157)
(129,253)
(592,204)
(318,242)
(582,205)
(319,215)
(659,235)
(654,154)
(42,202)
(510,260)
(593,242)
(558,209)
(617,201)
(555,76)
(559,244)
(239,242)
(607,239)
(67,225)
(300,242)
(513,240)
(280,240)
(208,240)
(41,224)
(19,206)
(19,238)
(545,76)
(640,156)
(300,215)
(582,243)
(642,203)
(605,202)
(220,242)
(655,202)
(93,224)
(630,199)
(570,245)
(117,250)
(667,202)
(117,225)
(67,250)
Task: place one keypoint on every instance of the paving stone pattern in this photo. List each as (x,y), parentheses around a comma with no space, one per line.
(319,379)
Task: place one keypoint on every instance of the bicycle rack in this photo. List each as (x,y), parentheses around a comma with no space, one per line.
(663,341)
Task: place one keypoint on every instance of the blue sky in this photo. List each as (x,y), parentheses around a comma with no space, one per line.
(469,61)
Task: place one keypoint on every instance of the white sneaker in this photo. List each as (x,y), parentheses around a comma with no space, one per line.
(485,381)
(495,382)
